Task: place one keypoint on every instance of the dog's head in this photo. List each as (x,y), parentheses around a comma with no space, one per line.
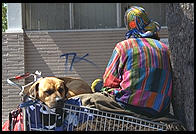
(50,90)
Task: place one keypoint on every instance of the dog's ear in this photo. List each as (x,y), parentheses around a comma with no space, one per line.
(33,90)
(66,80)
(66,88)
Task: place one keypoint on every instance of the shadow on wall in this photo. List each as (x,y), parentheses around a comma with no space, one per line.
(32,57)
(91,50)
(83,58)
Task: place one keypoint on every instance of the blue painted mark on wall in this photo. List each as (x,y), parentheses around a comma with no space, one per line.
(75,59)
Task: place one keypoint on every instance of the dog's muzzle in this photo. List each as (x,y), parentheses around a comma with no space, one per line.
(60,102)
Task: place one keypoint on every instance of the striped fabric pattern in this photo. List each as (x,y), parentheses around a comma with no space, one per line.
(139,73)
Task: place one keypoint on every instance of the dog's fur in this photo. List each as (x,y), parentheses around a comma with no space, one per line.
(54,90)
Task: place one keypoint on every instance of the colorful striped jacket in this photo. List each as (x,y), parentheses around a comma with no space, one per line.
(139,73)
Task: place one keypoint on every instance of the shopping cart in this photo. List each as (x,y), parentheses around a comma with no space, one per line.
(13,82)
(73,117)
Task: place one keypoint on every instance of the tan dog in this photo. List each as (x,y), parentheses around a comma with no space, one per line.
(54,90)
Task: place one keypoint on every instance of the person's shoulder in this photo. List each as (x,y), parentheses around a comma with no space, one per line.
(157,42)
(127,43)
(120,43)
(126,40)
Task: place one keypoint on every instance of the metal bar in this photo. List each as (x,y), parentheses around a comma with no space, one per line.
(71,16)
(118,11)
(63,115)
(101,121)
(79,114)
(96,124)
(35,116)
(42,118)
(105,123)
(29,119)
(24,118)
(122,124)
(87,122)
(30,17)
(114,124)
(127,126)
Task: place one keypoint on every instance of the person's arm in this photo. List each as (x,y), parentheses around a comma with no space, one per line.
(112,75)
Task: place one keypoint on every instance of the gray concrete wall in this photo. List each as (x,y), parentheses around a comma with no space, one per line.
(12,65)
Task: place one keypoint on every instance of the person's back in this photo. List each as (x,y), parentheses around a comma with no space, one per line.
(139,70)
(139,73)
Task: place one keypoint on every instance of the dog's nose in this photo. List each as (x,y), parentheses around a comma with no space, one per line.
(60,100)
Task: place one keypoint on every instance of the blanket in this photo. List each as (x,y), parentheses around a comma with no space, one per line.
(106,102)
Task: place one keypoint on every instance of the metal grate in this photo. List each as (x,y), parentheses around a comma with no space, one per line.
(79,118)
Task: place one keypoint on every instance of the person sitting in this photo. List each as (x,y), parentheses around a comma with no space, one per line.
(139,72)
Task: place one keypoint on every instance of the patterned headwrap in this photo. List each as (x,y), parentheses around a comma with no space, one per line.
(139,25)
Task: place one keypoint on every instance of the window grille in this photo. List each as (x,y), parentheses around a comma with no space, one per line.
(47,16)
(66,16)
(94,15)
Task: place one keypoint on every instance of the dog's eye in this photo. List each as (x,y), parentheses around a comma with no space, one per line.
(49,92)
(60,90)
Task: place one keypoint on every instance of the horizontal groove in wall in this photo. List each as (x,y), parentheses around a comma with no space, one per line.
(43,50)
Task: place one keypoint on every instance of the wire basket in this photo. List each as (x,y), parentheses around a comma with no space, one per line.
(79,118)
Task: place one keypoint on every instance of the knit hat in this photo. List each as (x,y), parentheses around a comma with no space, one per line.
(136,18)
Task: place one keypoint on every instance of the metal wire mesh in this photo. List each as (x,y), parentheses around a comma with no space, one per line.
(79,118)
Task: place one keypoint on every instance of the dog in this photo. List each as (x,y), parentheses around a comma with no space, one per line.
(53,91)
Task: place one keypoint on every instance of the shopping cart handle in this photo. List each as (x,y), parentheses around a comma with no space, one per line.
(12,80)
(22,76)
(14,84)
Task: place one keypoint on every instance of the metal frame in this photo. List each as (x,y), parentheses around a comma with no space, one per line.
(97,120)
(71,16)
(118,11)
